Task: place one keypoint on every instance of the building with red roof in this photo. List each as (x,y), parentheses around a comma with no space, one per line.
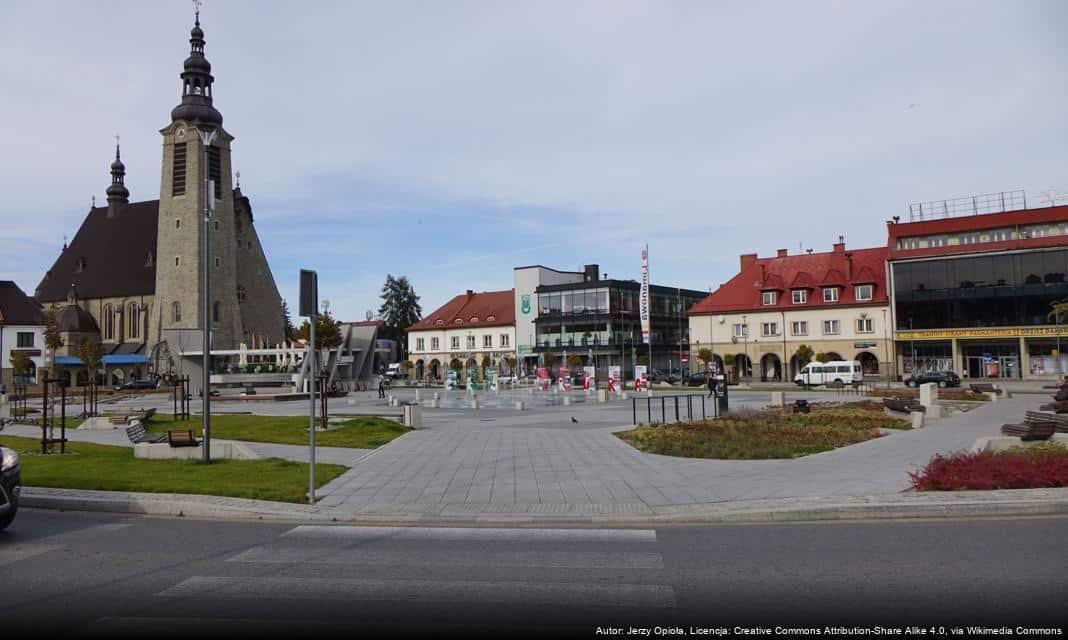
(834,302)
(475,329)
(973,280)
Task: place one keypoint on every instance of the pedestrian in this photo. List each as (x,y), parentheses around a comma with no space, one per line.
(381,386)
(711,384)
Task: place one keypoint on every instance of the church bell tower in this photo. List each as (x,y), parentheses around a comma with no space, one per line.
(196,150)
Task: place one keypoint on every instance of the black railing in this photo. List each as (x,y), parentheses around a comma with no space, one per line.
(672,408)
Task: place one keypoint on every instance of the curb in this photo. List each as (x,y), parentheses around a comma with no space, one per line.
(970,504)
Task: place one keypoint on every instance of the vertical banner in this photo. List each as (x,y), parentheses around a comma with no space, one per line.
(613,378)
(643,300)
(589,378)
(640,380)
(563,379)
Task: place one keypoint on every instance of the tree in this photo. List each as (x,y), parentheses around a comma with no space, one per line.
(822,357)
(91,354)
(20,363)
(456,364)
(52,338)
(804,355)
(550,360)
(400,309)
(728,360)
(574,360)
(704,354)
(511,360)
(288,328)
(327,334)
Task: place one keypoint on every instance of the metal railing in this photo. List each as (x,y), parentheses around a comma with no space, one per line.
(682,407)
(968,206)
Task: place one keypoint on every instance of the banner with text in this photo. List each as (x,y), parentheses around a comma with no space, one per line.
(643,301)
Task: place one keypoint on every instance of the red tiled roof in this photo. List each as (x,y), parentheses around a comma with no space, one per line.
(976,223)
(743,291)
(485,309)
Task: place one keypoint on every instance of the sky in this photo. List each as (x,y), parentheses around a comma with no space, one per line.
(453,141)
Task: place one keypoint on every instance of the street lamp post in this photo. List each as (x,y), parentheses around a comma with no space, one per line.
(206,138)
(745,336)
(886,350)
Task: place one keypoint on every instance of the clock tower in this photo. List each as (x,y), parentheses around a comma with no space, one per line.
(196,153)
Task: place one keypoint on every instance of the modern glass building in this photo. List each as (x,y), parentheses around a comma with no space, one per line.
(974,293)
(598,320)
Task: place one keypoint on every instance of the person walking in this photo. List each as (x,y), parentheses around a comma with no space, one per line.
(711,384)
(381,386)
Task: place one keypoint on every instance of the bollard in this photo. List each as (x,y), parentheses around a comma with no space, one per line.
(437,396)
(567,401)
(519,405)
(778,398)
(417,396)
(623,394)
(602,395)
(474,403)
(917,419)
(435,403)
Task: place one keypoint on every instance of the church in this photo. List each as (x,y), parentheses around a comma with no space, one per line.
(131,278)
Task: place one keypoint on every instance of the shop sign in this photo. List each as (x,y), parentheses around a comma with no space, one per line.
(1007,332)
(525,349)
(863,345)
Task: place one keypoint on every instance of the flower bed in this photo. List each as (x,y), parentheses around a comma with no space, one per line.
(772,433)
(1030,468)
(943,394)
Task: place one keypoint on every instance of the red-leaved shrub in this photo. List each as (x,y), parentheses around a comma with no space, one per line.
(1032,468)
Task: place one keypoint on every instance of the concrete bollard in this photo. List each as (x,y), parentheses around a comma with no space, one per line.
(394,402)
(993,397)
(474,403)
(917,419)
(567,401)
(413,416)
(435,403)
(418,396)
(928,394)
(519,405)
(778,398)
(437,396)
(602,395)
(623,395)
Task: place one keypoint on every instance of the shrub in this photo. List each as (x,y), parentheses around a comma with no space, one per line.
(1024,468)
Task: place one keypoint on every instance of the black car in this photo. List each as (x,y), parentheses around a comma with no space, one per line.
(137,384)
(942,378)
(697,380)
(10,486)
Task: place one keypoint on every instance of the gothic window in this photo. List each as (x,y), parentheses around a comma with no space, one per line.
(135,320)
(242,294)
(216,311)
(81,264)
(178,178)
(109,322)
(177,307)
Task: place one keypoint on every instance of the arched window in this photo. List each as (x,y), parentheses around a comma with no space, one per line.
(135,320)
(109,322)
(242,294)
(216,311)
(177,311)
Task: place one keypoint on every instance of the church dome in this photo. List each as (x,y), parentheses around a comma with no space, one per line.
(197,63)
(74,318)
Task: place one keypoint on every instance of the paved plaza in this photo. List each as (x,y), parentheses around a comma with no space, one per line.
(558,459)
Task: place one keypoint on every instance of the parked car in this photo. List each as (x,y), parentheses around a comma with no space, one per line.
(10,486)
(137,384)
(697,380)
(942,378)
(509,379)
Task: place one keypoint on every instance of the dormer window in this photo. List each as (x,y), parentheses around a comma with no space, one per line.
(458,321)
(439,322)
(800,296)
(769,298)
(81,264)
(490,318)
(863,292)
(474,318)
(830,294)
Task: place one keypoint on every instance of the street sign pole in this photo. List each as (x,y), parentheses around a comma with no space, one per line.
(309,307)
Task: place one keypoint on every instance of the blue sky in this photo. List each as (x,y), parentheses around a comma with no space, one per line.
(453,141)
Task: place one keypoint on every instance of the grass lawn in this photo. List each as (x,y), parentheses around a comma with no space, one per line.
(104,468)
(358,433)
(778,433)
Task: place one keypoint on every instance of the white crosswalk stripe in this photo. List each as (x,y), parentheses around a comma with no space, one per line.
(461,534)
(551,559)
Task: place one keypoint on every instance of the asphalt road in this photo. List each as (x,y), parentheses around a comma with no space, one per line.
(102,574)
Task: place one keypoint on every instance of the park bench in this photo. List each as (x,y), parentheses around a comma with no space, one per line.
(984,387)
(117,419)
(905,405)
(1036,426)
(137,434)
(1059,420)
(1059,406)
(802,406)
(181,438)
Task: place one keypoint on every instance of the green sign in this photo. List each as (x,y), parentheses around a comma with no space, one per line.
(525,349)
(524,304)
(450,379)
(491,378)
(863,345)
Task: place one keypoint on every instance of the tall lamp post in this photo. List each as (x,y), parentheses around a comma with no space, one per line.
(745,336)
(206,138)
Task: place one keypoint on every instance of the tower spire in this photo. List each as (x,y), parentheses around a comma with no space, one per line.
(196,105)
(118,194)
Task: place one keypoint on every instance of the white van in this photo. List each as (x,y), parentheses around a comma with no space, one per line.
(843,371)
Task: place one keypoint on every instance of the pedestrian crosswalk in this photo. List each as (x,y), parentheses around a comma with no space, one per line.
(572,568)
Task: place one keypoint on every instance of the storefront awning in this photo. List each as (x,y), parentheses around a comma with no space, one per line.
(67,361)
(124,359)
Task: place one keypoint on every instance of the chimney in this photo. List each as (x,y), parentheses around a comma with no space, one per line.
(849,267)
(781,253)
(745,260)
(839,246)
(591,273)
(470,293)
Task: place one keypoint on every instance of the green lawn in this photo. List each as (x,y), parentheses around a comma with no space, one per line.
(773,433)
(105,468)
(358,433)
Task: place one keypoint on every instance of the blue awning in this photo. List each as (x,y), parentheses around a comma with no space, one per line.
(124,358)
(67,361)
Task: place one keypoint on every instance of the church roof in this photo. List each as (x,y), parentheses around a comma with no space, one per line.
(108,257)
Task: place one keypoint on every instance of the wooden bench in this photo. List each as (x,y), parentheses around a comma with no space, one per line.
(117,419)
(1059,420)
(137,434)
(1059,406)
(181,438)
(1036,426)
(905,405)
(984,387)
